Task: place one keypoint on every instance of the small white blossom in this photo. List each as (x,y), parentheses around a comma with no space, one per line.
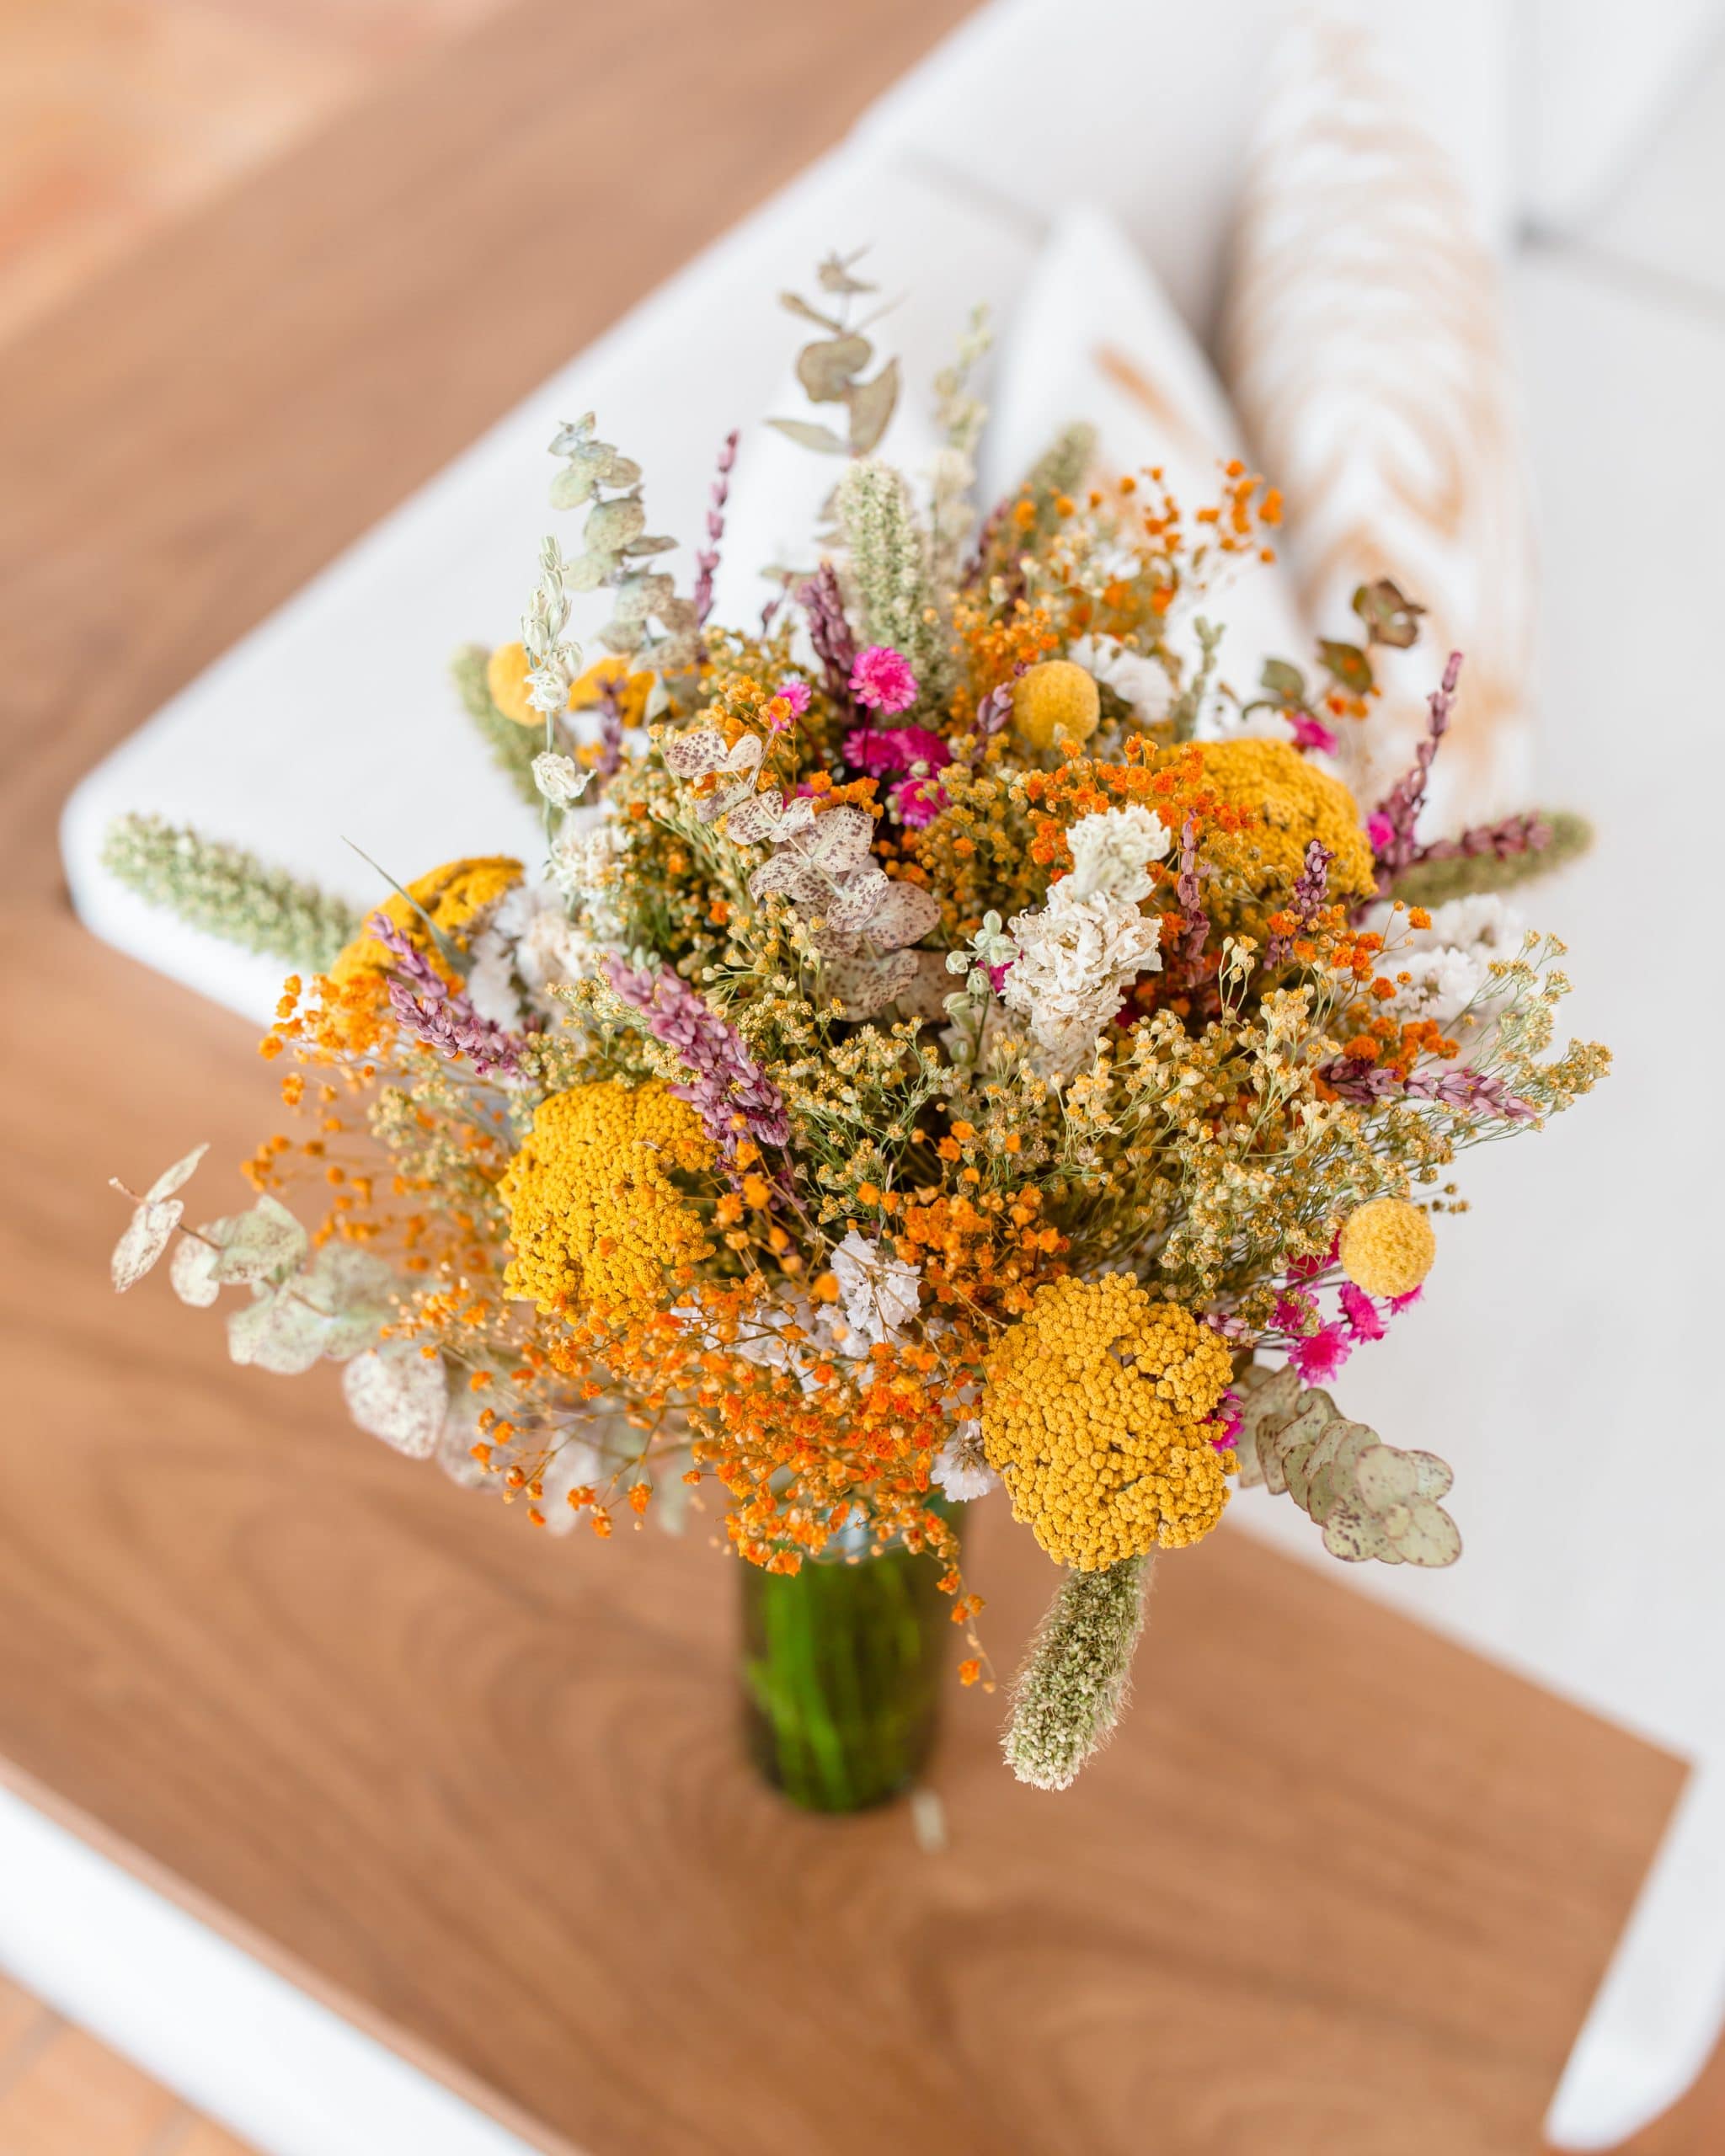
(1075,958)
(879,1291)
(560,778)
(1450,962)
(1111,852)
(959,1467)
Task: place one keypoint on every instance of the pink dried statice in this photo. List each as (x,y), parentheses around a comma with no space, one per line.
(1310,732)
(919,801)
(879,750)
(1321,1354)
(426,1008)
(733,1096)
(882,679)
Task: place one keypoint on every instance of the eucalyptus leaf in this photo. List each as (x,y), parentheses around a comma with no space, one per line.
(1283,681)
(571,486)
(619,471)
(146,1237)
(278,1332)
(176,1177)
(807,434)
(1349,664)
(255,1245)
(588,571)
(653,543)
(610,525)
(826,369)
(622,638)
(872,404)
(191,1273)
(801,306)
(399,1394)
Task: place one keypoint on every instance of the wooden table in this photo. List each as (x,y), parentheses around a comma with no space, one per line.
(1340,1886)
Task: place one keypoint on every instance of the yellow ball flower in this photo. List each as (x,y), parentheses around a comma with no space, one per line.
(1056,700)
(1093,1414)
(1294,802)
(455,896)
(506,678)
(594,1214)
(1388,1246)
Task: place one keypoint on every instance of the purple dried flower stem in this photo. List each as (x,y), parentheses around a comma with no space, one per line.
(1311,894)
(1458,1088)
(733,1096)
(706,560)
(1524,834)
(830,632)
(1195,932)
(428,1009)
(1400,806)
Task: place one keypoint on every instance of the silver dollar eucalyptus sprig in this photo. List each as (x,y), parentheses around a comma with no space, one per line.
(615,550)
(1074,1682)
(830,369)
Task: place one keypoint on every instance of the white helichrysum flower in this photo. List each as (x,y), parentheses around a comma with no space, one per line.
(1136,679)
(560,778)
(1112,851)
(1076,957)
(879,1290)
(959,1467)
(584,858)
(1450,962)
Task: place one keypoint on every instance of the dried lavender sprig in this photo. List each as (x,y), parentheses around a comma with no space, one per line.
(733,1096)
(1068,1694)
(1528,832)
(227,892)
(1310,894)
(426,1008)
(1400,806)
(1458,1088)
(706,560)
(822,604)
(1194,933)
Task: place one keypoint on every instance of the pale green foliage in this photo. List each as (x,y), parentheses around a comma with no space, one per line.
(615,550)
(888,551)
(1371,1500)
(155,1216)
(830,369)
(228,893)
(1073,1684)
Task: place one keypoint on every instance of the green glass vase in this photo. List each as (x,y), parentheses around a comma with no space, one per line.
(844,1663)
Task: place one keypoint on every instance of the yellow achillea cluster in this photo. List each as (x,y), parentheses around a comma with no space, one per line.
(1387,1247)
(594,1216)
(452,896)
(1293,802)
(1094,1415)
(506,674)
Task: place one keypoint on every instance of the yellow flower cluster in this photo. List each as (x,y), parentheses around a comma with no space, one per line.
(594,1216)
(1293,802)
(1056,700)
(1388,1246)
(453,896)
(506,679)
(1093,1416)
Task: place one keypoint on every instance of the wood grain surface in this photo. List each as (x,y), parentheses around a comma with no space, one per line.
(1340,1887)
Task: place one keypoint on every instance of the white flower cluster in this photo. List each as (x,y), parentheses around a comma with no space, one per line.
(1450,962)
(1089,943)
(879,1291)
(528,948)
(959,1467)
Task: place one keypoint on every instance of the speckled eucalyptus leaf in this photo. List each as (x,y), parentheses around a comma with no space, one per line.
(278,1332)
(827,367)
(588,571)
(397,1394)
(808,434)
(610,525)
(1372,1500)
(656,543)
(255,1245)
(872,404)
(619,471)
(623,638)
(571,486)
(146,1237)
(191,1273)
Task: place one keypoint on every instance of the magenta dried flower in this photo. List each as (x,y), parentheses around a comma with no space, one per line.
(882,679)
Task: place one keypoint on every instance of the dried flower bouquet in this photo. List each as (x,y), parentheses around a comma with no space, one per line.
(952,1038)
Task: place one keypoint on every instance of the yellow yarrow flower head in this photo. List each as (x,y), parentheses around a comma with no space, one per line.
(1388,1246)
(458,898)
(1056,700)
(1295,802)
(506,673)
(506,680)
(1094,1414)
(595,1214)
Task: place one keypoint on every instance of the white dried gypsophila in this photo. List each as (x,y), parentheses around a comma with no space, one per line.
(1076,956)
(560,778)
(879,1291)
(960,1468)
(1112,851)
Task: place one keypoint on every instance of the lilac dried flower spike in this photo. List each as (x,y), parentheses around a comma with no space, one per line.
(830,632)
(1400,806)
(706,560)
(1310,895)
(427,1009)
